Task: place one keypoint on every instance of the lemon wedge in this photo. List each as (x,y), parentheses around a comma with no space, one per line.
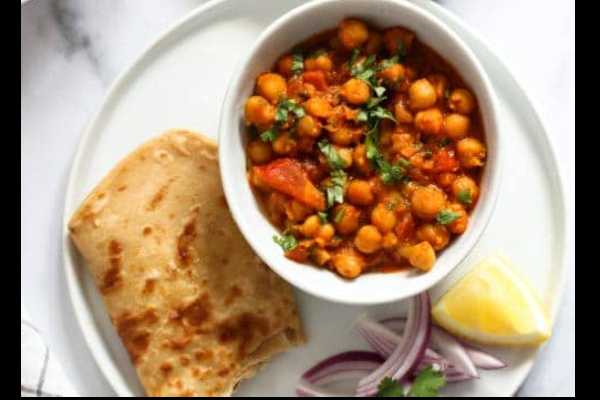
(493,304)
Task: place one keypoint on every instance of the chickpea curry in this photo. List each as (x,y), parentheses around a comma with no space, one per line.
(366,149)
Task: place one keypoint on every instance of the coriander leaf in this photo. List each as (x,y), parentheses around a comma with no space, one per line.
(281,115)
(390,173)
(390,388)
(446,217)
(464,196)
(385,64)
(287,242)
(353,57)
(365,75)
(297,63)
(447,92)
(269,135)
(371,144)
(334,160)
(427,383)
(335,191)
(374,101)
(404,163)
(362,116)
(284,107)
(379,90)
(339,215)
(381,113)
(323,216)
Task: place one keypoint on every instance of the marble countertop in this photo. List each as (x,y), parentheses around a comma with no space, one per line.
(71,51)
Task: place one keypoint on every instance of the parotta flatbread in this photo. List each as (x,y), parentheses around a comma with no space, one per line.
(196,309)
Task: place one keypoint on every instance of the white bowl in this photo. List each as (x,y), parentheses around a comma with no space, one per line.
(280,37)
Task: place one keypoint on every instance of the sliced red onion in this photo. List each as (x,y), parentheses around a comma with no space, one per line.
(342,366)
(453,351)
(405,357)
(383,340)
(482,359)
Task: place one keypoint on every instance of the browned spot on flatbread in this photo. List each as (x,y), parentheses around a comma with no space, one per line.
(223,372)
(112,278)
(184,360)
(149,286)
(234,293)
(132,329)
(184,242)
(147,230)
(166,368)
(242,328)
(179,343)
(203,355)
(197,312)
(158,197)
(122,188)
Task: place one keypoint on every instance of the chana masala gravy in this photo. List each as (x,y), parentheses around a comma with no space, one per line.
(366,149)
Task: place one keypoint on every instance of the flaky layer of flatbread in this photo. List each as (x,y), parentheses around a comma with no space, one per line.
(196,309)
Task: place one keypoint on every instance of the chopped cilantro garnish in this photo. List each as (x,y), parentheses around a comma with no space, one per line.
(269,135)
(353,57)
(339,215)
(334,160)
(387,172)
(464,196)
(335,191)
(287,242)
(323,217)
(427,384)
(297,63)
(446,217)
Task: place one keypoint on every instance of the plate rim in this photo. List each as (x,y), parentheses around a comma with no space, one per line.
(86,320)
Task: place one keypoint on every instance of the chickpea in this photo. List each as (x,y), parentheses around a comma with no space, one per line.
(348,263)
(465,186)
(360,159)
(322,62)
(311,226)
(459,225)
(346,218)
(360,193)
(422,94)
(341,136)
(440,83)
(427,202)
(352,33)
(383,218)
(321,256)
(345,154)
(284,144)
(284,66)
(402,114)
(421,256)
(309,127)
(258,111)
(461,101)
(259,151)
(393,74)
(392,36)
(368,239)
(471,152)
(325,234)
(390,241)
(404,144)
(456,126)
(271,86)
(430,121)
(374,43)
(355,91)
(436,235)
(318,107)
(445,179)
(296,211)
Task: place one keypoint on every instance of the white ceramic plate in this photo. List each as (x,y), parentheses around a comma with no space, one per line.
(180,81)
